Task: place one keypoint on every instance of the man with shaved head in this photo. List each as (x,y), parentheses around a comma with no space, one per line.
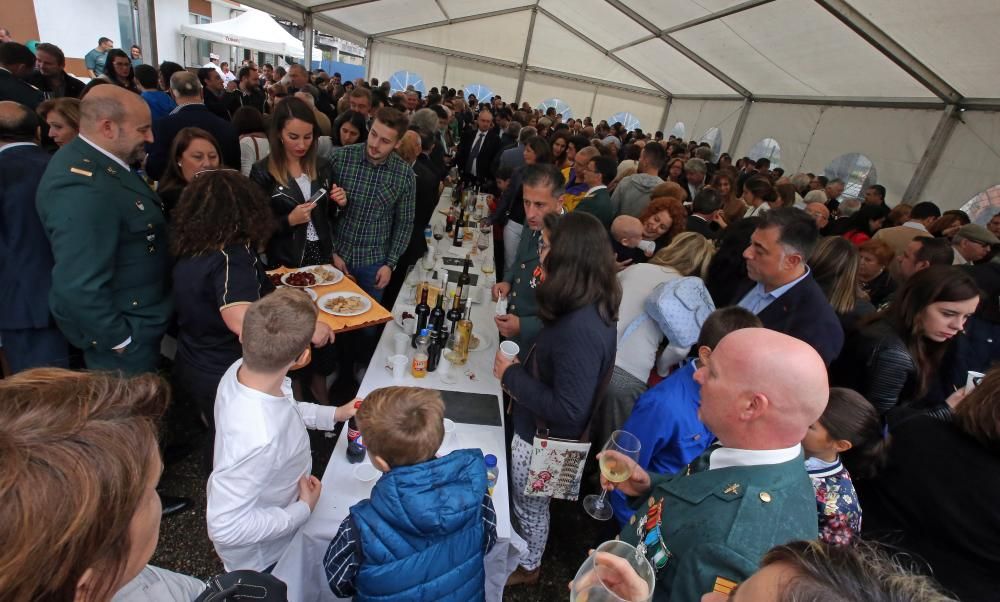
(109,237)
(707,527)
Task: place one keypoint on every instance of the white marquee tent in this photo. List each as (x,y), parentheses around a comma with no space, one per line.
(253,29)
(912,85)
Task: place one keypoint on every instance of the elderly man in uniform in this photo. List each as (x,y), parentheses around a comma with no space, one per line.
(707,527)
(109,237)
(543,188)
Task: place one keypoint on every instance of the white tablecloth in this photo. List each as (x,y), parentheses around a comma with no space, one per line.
(301,566)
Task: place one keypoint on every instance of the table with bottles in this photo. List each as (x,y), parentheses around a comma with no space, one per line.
(344,484)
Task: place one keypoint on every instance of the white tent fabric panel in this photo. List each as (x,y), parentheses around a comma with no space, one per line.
(667,14)
(579,96)
(596,19)
(671,69)
(500,37)
(463,8)
(791,126)
(699,116)
(386,59)
(253,29)
(817,55)
(957,39)
(552,47)
(647,109)
(894,140)
(386,15)
(970,163)
(501,80)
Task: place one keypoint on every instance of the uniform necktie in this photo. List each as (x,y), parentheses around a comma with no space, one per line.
(701,463)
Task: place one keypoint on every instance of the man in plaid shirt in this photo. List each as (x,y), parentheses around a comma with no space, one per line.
(375,222)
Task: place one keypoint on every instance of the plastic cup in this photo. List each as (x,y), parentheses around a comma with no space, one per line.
(509,349)
(400,363)
(401,341)
(447,371)
(366,472)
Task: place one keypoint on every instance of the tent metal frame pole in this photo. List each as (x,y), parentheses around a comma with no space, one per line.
(147,31)
(292,11)
(740,124)
(666,115)
(369,46)
(308,40)
(932,154)
(857,22)
(593,81)
(445,52)
(593,103)
(604,51)
(523,68)
(687,52)
(446,21)
(319,8)
(444,76)
(732,10)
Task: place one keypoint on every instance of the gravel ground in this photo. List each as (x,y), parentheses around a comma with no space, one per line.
(184,545)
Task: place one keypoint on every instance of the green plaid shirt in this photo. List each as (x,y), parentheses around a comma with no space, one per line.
(375,226)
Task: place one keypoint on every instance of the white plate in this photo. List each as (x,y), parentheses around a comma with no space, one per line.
(397,317)
(487,341)
(312,294)
(321,302)
(314,269)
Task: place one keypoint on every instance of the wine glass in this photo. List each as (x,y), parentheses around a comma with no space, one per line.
(488,266)
(603,577)
(618,458)
(483,242)
(484,227)
(438,232)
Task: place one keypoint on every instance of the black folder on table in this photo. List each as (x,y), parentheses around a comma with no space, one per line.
(472,408)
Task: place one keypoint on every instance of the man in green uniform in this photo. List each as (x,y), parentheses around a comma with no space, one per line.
(543,187)
(110,293)
(599,173)
(707,528)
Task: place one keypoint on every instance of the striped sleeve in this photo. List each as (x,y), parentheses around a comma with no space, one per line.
(236,281)
(342,560)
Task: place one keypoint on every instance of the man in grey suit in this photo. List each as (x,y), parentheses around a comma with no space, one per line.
(514,157)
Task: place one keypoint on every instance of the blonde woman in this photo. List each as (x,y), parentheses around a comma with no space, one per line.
(687,255)
(834,264)
(62,115)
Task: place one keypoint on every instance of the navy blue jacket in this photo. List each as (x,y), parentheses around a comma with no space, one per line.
(804,313)
(25,255)
(165,130)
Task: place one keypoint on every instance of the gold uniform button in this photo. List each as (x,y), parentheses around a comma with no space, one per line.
(512,308)
(631,521)
(93,343)
(135,304)
(523,266)
(514,294)
(149,226)
(517,281)
(765,497)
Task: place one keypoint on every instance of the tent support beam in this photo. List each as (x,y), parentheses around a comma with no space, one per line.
(592,81)
(319,8)
(308,40)
(732,10)
(368,58)
(856,21)
(446,21)
(522,68)
(293,12)
(687,52)
(605,52)
(593,103)
(740,124)
(147,31)
(666,115)
(935,149)
(445,52)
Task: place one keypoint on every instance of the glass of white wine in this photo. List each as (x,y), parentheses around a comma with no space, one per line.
(617,460)
(614,572)
(488,266)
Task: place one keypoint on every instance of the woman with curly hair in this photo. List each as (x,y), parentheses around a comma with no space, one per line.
(662,220)
(221,220)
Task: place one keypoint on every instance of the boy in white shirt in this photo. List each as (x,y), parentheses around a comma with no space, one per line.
(261,489)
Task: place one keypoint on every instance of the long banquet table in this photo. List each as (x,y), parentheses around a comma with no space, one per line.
(301,566)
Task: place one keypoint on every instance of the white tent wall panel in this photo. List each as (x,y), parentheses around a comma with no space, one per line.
(578,95)
(970,162)
(386,59)
(667,14)
(461,73)
(386,15)
(701,115)
(597,20)
(894,140)
(500,37)
(791,125)
(671,69)
(463,8)
(647,109)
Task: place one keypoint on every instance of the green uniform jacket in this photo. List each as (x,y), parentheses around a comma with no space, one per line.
(109,241)
(717,524)
(598,205)
(524,278)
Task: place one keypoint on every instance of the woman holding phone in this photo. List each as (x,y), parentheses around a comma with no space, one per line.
(299,187)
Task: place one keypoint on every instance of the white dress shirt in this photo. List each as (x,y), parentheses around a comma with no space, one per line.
(757,299)
(725,457)
(261,452)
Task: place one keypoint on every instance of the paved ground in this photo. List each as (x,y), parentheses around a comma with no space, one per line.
(184,546)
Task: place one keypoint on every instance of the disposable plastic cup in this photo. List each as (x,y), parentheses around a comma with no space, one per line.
(401,341)
(399,365)
(509,349)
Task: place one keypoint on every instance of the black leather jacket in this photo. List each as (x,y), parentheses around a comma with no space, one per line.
(876,363)
(287,245)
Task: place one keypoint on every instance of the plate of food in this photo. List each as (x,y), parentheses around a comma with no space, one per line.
(314,275)
(482,341)
(344,304)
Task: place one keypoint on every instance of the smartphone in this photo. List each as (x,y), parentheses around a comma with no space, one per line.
(973,380)
(317,195)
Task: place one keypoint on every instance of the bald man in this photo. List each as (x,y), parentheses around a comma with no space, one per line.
(707,528)
(109,238)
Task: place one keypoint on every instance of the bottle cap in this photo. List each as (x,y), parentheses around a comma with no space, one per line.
(491,460)
(423,332)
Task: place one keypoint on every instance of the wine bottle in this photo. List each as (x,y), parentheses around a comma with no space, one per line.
(434,350)
(455,313)
(463,339)
(423,311)
(437,314)
(459,235)
(465,282)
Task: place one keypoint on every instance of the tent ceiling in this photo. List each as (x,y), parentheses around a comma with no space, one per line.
(877,51)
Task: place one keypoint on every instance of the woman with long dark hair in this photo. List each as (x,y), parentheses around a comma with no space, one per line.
(894,356)
(564,370)
(865,223)
(194,150)
(349,128)
(119,71)
(758,194)
(834,263)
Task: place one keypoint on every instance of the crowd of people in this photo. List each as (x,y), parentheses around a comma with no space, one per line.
(809,375)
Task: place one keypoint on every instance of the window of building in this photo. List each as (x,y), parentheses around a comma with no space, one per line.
(561,107)
(481,92)
(128,24)
(714,139)
(678,130)
(768,148)
(856,170)
(627,119)
(196,50)
(401,81)
(982,207)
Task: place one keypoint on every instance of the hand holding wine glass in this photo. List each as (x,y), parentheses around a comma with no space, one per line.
(617,461)
(616,571)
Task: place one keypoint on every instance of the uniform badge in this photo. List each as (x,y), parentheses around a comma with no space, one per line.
(650,534)
(139,205)
(81,172)
(724,586)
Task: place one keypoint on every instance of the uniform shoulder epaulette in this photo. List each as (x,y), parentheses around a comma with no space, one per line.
(81,172)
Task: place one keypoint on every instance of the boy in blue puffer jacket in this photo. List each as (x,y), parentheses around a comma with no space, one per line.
(430,521)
